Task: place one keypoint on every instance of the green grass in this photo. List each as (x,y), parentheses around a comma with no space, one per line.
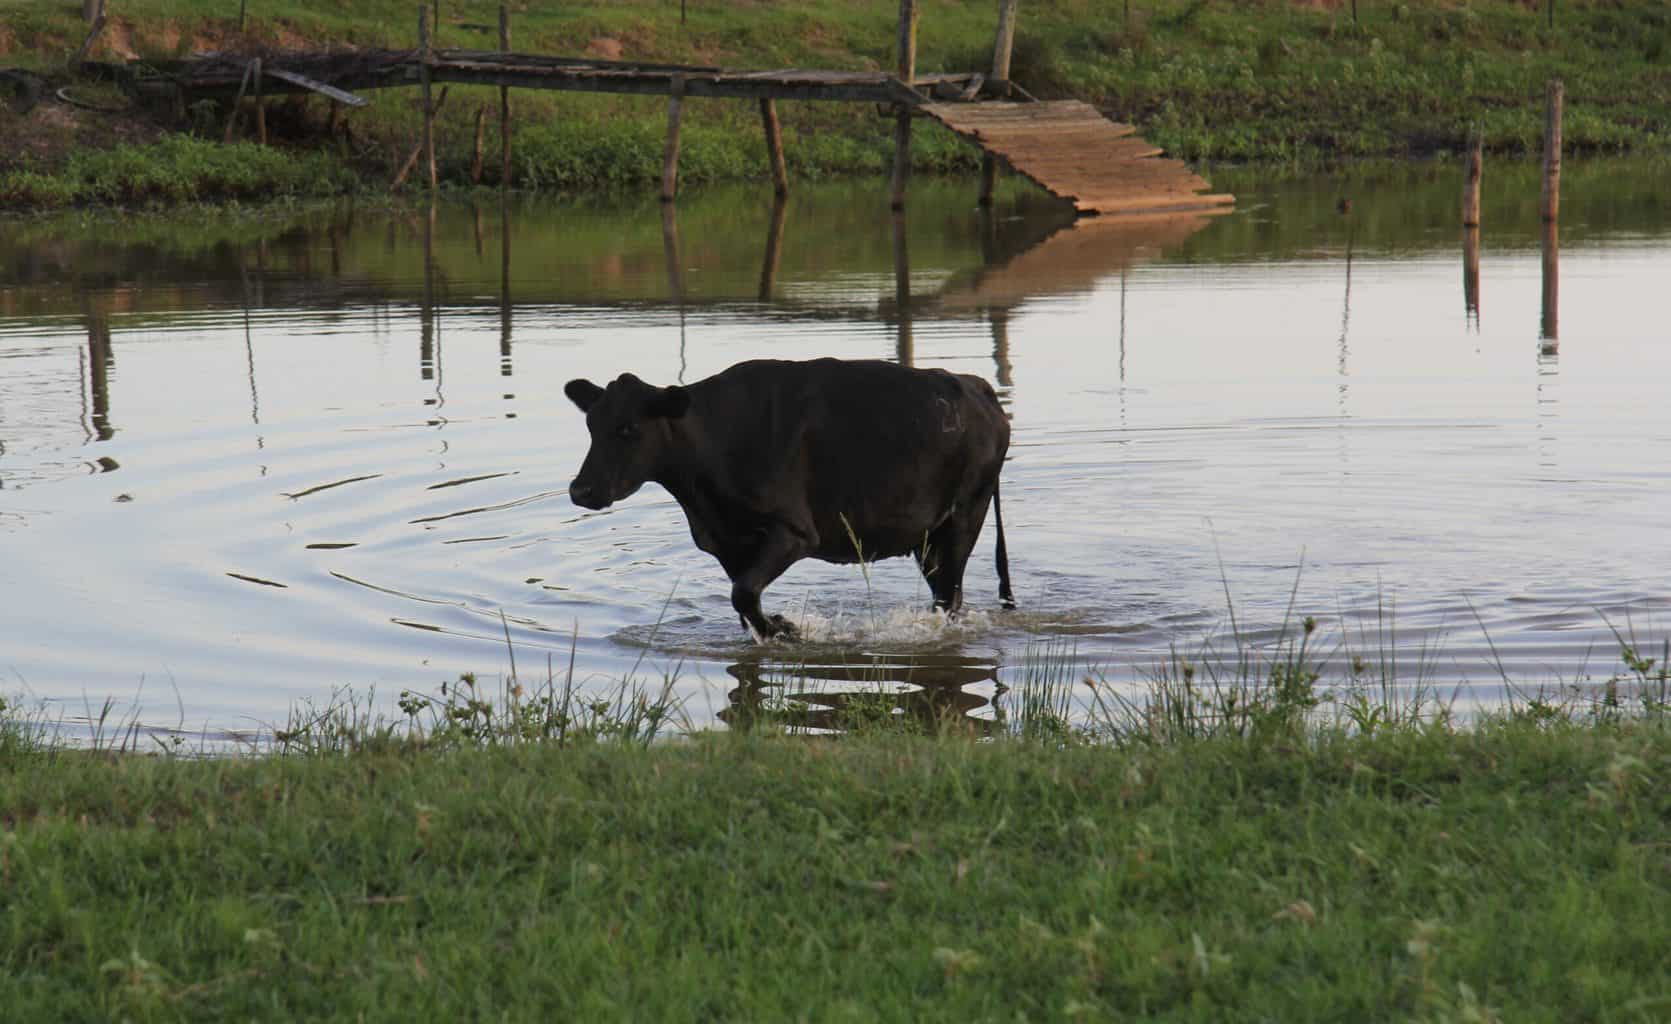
(1264,80)
(178,169)
(1223,851)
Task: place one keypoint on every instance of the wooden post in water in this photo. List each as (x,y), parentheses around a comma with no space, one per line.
(1552,151)
(774,146)
(1471,180)
(670,157)
(504,103)
(423,83)
(1001,47)
(902,125)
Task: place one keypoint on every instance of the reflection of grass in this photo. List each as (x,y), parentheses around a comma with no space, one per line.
(1272,873)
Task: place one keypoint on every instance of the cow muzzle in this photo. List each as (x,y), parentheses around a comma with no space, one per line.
(587,496)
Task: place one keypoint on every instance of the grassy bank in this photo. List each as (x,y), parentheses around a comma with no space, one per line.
(1213,865)
(1210,81)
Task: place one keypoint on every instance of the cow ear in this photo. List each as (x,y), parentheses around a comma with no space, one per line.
(583,393)
(670,403)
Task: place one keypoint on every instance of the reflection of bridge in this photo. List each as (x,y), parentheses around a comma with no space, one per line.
(1021,258)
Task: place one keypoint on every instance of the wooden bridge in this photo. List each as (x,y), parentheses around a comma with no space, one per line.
(1067,147)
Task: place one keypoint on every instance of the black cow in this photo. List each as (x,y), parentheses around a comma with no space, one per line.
(776,461)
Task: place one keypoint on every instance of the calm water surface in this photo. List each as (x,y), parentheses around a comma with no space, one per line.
(247,460)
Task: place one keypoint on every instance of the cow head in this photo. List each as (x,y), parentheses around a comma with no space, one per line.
(631,424)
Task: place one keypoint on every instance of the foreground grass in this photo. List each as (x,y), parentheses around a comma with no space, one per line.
(1270,81)
(1515,871)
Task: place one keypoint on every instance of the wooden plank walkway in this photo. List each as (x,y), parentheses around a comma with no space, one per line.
(1071,151)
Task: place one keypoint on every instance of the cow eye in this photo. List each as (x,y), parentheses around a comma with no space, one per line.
(626,431)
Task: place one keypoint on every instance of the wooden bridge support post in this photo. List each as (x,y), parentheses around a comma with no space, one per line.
(424,55)
(670,158)
(1552,152)
(504,103)
(1471,180)
(902,123)
(774,146)
(1001,48)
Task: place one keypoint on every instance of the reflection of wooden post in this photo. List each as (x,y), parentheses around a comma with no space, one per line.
(670,248)
(999,320)
(426,315)
(774,146)
(906,349)
(100,359)
(1471,180)
(1552,151)
(476,160)
(260,106)
(907,45)
(1549,325)
(1001,48)
(670,157)
(1471,275)
(504,285)
(504,103)
(423,83)
(774,246)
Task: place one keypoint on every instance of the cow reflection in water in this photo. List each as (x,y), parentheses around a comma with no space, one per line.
(845,692)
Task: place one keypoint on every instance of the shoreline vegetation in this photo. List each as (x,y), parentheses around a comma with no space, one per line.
(1242,844)
(1271,82)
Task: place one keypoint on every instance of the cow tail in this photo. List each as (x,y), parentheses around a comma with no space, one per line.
(1003,557)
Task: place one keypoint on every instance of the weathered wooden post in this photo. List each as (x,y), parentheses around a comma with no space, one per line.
(1001,47)
(423,82)
(91,9)
(243,9)
(902,125)
(1552,151)
(428,362)
(774,249)
(504,103)
(238,102)
(1471,179)
(670,157)
(774,146)
(1471,276)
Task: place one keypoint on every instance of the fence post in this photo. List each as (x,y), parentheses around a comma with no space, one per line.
(1001,47)
(902,124)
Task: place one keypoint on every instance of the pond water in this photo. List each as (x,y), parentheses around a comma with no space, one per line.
(247,459)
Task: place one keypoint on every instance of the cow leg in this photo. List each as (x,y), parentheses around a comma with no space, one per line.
(945,553)
(780,549)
